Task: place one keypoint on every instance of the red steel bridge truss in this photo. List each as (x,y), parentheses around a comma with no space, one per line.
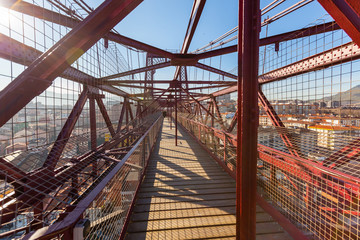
(78,121)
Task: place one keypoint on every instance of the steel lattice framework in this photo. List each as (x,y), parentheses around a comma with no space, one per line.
(75,137)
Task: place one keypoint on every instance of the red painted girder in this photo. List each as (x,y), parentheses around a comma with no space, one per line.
(249,18)
(161,89)
(347,14)
(221,92)
(308,167)
(138,45)
(105,116)
(20,53)
(9,171)
(217,52)
(167,81)
(216,108)
(138,70)
(289,168)
(39,12)
(154,101)
(51,16)
(342,54)
(65,133)
(321,28)
(76,213)
(343,155)
(167,64)
(233,122)
(37,184)
(138,109)
(215,70)
(300,166)
(130,111)
(196,11)
(276,121)
(137,86)
(213,86)
(40,74)
(93,133)
(304,32)
(206,110)
(54,17)
(184,59)
(121,118)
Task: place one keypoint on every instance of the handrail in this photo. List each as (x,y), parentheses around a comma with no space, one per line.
(312,165)
(71,219)
(299,190)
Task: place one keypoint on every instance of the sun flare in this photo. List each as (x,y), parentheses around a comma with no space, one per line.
(4,15)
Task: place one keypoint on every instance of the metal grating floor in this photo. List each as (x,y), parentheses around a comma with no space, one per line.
(186,195)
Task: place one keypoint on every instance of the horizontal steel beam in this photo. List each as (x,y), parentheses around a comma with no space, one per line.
(138,70)
(114,82)
(304,32)
(20,53)
(217,52)
(215,70)
(54,17)
(138,45)
(63,20)
(211,86)
(41,73)
(342,54)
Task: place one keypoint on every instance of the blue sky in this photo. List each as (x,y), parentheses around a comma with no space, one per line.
(163,23)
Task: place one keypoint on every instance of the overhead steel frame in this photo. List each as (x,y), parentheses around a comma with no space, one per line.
(347,14)
(42,70)
(334,56)
(40,74)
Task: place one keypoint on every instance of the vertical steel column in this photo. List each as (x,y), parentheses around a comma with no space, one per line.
(105,115)
(212,113)
(92,123)
(176,125)
(121,118)
(65,133)
(93,132)
(248,119)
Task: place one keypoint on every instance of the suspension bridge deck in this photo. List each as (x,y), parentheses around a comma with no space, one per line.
(186,195)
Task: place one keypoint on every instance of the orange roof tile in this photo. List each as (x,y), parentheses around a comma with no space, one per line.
(332,128)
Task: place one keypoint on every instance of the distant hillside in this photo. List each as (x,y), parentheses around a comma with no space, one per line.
(352,94)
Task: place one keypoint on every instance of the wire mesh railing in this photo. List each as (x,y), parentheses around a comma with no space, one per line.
(37,195)
(309,130)
(320,200)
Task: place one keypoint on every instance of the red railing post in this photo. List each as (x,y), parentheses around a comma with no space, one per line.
(176,124)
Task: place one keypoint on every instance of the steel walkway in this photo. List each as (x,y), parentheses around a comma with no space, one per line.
(186,195)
